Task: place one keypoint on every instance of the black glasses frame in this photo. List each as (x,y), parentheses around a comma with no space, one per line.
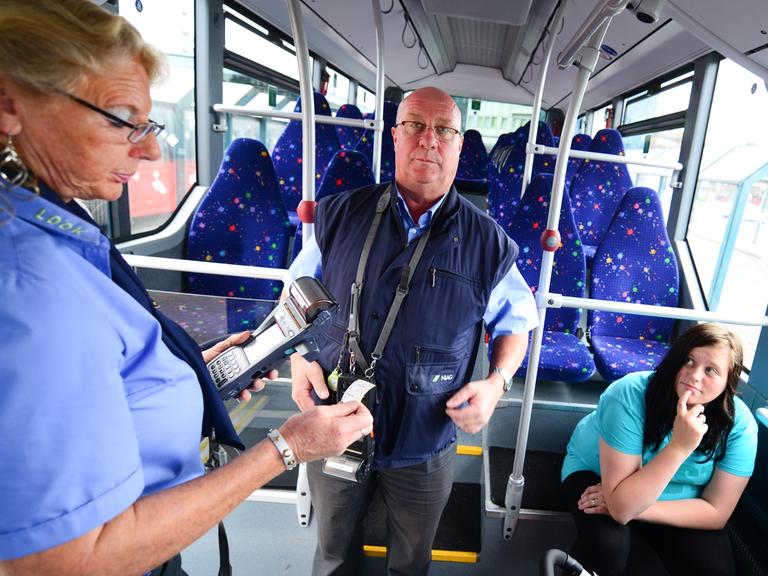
(138,133)
(452,131)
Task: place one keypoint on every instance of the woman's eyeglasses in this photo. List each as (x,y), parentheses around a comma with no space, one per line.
(138,133)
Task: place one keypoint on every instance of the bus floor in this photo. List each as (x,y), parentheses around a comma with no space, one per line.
(265,539)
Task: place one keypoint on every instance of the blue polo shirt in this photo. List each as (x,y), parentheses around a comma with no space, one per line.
(619,420)
(511,308)
(96,411)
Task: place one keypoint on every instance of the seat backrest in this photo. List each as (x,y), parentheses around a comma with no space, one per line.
(505,183)
(498,154)
(473,161)
(287,153)
(569,268)
(513,153)
(635,263)
(598,187)
(578,142)
(365,145)
(240,220)
(348,170)
(348,136)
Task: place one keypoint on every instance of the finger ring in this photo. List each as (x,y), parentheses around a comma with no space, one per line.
(594,501)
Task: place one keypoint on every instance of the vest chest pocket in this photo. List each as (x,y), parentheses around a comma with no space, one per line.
(435,371)
(439,276)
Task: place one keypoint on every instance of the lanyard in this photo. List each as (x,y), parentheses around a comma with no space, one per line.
(353,329)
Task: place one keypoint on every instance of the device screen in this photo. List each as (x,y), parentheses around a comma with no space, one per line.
(263,343)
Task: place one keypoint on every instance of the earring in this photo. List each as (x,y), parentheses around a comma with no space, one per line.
(13,172)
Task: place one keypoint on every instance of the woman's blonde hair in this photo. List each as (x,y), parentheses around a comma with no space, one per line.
(54,44)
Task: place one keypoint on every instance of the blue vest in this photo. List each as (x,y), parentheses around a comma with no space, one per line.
(431,351)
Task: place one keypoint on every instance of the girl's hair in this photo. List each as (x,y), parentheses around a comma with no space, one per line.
(53,44)
(661,397)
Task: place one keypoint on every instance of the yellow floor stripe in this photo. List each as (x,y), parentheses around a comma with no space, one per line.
(437,555)
(244,417)
(463,450)
(375,551)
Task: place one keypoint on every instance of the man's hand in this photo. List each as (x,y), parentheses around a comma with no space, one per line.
(257,385)
(481,397)
(306,376)
(323,431)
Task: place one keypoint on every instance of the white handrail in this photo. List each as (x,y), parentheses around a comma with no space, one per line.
(533,128)
(552,300)
(615,158)
(513,497)
(320,119)
(378,112)
(307,109)
(179,265)
(601,12)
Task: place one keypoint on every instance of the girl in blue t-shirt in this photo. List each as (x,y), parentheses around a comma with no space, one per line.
(665,457)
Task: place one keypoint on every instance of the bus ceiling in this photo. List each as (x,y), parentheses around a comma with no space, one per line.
(492,49)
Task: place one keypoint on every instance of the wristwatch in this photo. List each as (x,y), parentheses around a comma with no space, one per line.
(282,447)
(505,375)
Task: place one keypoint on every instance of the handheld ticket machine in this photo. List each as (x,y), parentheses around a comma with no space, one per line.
(291,327)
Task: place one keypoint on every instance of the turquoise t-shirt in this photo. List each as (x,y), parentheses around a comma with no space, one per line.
(619,420)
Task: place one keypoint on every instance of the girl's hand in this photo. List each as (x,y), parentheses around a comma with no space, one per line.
(592,500)
(690,425)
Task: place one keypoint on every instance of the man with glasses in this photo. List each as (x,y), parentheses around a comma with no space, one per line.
(458,270)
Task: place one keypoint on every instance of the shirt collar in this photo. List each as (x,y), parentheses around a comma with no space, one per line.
(52,218)
(425,219)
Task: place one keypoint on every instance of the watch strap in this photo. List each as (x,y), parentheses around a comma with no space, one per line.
(507,377)
(282,447)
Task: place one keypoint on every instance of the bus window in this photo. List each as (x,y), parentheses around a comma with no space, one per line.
(601,118)
(338,89)
(652,129)
(658,146)
(366,100)
(158,187)
(728,228)
(645,106)
(255,43)
(492,119)
(242,90)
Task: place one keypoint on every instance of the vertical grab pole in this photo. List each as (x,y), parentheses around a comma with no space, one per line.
(308,111)
(534,127)
(303,500)
(378,113)
(550,240)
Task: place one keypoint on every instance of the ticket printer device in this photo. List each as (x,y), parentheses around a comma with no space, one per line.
(293,326)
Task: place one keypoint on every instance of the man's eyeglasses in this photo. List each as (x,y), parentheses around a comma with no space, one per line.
(138,133)
(443,133)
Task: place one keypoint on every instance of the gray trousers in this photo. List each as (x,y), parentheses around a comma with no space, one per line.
(414,497)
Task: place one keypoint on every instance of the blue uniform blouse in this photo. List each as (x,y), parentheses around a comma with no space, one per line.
(96,411)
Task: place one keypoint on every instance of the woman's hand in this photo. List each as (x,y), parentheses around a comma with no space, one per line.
(592,500)
(690,425)
(257,385)
(322,431)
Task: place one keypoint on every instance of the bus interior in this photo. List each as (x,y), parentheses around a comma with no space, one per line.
(651,102)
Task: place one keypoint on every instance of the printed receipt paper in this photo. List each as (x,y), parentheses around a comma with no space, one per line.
(356,391)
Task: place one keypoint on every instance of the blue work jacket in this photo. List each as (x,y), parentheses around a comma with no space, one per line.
(431,351)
